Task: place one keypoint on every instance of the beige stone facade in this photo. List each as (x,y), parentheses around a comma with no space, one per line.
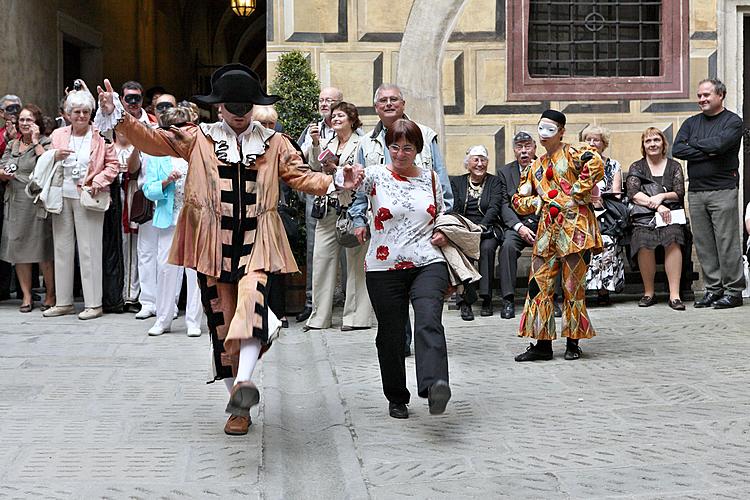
(355,45)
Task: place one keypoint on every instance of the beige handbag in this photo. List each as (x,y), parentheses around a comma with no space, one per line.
(98,203)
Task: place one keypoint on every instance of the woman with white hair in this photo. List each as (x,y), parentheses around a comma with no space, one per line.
(477,195)
(606,269)
(87,163)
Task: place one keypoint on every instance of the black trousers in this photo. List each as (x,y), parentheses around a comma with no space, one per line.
(113,267)
(510,250)
(487,250)
(390,292)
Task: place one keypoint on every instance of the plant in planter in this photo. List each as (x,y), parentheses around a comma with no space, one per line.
(299,87)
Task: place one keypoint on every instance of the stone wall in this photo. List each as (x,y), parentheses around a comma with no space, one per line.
(355,45)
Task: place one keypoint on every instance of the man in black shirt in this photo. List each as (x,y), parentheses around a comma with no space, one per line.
(710,142)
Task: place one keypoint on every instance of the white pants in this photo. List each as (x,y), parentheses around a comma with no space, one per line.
(357,308)
(169,282)
(131,286)
(76,224)
(147,264)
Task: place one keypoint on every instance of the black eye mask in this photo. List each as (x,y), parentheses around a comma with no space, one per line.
(133,98)
(238,108)
(163,106)
(13,109)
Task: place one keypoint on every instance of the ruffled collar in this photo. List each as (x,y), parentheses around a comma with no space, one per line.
(254,142)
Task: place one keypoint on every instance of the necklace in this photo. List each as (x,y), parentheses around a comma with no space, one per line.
(77,148)
(475,190)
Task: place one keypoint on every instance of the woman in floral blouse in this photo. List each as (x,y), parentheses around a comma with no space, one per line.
(404,262)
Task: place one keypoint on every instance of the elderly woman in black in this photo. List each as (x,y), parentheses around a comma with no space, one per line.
(656,185)
(477,196)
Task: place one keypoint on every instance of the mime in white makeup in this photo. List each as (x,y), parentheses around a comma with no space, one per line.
(546,130)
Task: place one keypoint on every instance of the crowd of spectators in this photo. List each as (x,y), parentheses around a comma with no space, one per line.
(116,257)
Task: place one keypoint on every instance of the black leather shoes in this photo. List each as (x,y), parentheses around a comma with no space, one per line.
(676,304)
(398,410)
(707,300)
(534,354)
(727,302)
(438,396)
(306,312)
(572,351)
(647,301)
(557,310)
(487,309)
(466,313)
(509,310)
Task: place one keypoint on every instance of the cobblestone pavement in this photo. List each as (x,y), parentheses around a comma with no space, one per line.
(659,407)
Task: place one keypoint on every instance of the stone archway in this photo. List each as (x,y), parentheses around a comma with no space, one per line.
(420,58)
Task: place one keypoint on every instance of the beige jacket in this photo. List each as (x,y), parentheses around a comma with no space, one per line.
(463,237)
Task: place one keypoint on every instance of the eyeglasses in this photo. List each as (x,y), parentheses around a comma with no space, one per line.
(26,120)
(327,100)
(394,149)
(386,100)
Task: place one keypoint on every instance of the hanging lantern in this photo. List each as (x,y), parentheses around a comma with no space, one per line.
(243,8)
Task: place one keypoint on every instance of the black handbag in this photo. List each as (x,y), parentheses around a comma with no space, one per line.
(614,220)
(141,209)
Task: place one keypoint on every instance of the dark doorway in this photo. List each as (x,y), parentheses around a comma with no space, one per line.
(746,115)
(71,63)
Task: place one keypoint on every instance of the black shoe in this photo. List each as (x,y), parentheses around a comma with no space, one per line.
(438,396)
(487,309)
(603,299)
(306,312)
(558,311)
(116,309)
(534,354)
(572,351)
(466,313)
(398,410)
(727,302)
(707,300)
(647,301)
(677,305)
(509,310)
(284,323)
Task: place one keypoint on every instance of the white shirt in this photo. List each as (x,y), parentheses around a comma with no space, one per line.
(76,164)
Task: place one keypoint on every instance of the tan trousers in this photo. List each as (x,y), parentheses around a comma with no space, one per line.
(76,224)
(357,308)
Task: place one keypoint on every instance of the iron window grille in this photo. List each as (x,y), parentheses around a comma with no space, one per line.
(594,38)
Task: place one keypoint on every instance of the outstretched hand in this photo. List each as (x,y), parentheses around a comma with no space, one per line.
(353,176)
(106,98)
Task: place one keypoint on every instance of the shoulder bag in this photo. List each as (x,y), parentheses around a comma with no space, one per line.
(141,208)
(97,203)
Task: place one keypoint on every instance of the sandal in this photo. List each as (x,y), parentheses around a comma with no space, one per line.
(26,308)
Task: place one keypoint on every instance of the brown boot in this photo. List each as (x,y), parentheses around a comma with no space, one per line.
(237,425)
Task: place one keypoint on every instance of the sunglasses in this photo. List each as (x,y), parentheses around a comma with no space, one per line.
(163,106)
(133,98)
(13,109)
(238,108)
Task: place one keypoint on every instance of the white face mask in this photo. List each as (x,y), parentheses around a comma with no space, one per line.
(546,130)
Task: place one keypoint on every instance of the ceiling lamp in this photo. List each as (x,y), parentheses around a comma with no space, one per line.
(243,8)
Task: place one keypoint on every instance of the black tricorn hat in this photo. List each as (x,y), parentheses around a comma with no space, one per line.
(236,83)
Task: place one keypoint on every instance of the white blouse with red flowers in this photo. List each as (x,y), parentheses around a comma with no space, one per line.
(403,215)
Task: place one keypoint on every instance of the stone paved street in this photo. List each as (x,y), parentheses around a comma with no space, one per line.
(658,408)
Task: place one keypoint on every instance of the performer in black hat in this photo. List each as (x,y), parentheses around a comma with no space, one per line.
(229,230)
(557,187)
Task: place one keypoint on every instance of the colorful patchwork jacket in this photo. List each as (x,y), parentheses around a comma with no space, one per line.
(558,188)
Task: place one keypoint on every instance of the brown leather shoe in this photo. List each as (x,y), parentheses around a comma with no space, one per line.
(237,425)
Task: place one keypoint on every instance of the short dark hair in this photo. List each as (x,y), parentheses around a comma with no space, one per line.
(719,88)
(351,111)
(407,130)
(36,112)
(132,85)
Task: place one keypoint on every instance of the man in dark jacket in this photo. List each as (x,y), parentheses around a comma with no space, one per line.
(520,232)
(710,142)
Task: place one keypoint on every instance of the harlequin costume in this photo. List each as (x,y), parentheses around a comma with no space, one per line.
(229,229)
(558,187)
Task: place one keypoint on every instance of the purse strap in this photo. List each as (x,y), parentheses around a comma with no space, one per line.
(434,194)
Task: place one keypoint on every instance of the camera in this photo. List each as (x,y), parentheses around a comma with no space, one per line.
(77,85)
(11,168)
